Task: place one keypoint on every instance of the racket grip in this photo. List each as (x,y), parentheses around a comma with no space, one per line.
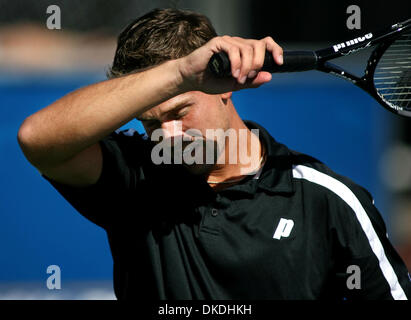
(294,61)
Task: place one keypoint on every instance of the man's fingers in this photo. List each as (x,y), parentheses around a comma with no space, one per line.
(235,60)
(276,50)
(247,58)
(243,68)
(255,50)
(247,54)
(258,59)
(252,57)
(261,78)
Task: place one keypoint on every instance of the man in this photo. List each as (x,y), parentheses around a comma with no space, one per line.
(278,226)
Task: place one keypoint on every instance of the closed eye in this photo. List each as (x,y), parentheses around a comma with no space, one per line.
(182,112)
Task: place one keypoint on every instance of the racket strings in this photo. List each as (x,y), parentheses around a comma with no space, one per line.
(392,76)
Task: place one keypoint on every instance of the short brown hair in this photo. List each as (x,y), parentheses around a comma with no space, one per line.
(160,35)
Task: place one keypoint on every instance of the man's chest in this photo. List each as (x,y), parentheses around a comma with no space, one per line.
(261,246)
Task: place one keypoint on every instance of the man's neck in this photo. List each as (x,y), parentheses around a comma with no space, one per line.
(248,158)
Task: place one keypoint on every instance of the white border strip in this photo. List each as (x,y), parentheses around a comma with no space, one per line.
(310,174)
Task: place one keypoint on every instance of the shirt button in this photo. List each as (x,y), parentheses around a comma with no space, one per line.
(214,212)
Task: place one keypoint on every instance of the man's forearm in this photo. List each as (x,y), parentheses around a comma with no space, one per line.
(83,117)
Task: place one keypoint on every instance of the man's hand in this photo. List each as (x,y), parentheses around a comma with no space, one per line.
(246,58)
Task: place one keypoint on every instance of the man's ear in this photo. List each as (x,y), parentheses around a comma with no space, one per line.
(226,95)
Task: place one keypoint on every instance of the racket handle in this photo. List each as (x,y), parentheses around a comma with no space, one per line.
(294,61)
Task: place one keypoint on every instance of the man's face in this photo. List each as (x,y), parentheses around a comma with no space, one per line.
(177,117)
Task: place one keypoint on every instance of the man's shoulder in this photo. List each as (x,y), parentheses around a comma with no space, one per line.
(127,139)
(314,171)
(130,135)
(130,145)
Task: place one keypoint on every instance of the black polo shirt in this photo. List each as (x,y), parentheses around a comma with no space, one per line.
(291,234)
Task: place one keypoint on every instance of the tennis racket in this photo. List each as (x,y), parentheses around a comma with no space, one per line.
(387,76)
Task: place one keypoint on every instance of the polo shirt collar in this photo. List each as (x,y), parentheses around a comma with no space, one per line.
(276,176)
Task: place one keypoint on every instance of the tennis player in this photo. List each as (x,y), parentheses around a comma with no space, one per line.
(281,225)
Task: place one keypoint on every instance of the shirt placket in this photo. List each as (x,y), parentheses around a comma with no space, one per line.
(212,217)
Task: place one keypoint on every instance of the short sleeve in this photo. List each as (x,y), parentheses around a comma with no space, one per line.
(365,245)
(105,201)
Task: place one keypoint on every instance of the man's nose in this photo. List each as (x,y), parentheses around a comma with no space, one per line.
(172,129)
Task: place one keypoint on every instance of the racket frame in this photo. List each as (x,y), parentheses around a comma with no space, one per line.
(297,61)
(383,40)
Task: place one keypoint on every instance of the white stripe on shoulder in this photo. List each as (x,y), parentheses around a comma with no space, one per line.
(340,189)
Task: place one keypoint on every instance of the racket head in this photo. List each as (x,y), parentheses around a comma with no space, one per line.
(388,72)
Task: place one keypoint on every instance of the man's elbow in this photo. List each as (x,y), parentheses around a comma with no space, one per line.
(28,142)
